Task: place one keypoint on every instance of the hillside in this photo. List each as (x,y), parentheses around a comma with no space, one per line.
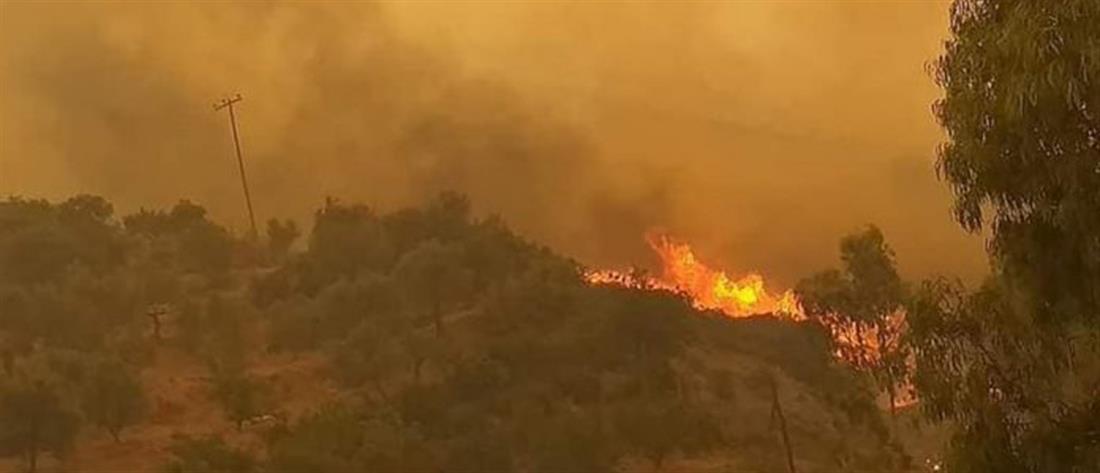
(421,340)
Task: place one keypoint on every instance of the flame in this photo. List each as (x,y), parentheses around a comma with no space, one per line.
(711,289)
(708,289)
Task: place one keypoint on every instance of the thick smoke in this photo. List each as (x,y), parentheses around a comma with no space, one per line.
(759,132)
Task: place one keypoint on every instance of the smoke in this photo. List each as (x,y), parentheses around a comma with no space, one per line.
(759,132)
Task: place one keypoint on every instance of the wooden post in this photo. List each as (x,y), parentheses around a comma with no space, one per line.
(228,103)
(777,412)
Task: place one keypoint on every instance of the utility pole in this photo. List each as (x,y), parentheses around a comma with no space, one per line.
(777,413)
(228,103)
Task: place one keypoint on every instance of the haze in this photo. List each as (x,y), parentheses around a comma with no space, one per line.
(759,131)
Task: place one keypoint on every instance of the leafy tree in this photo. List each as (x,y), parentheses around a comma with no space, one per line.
(113,397)
(328,441)
(198,245)
(543,372)
(347,239)
(39,241)
(241,396)
(222,333)
(339,438)
(433,279)
(493,252)
(1014,364)
(280,237)
(860,307)
(34,420)
(208,455)
(572,442)
(445,218)
(367,358)
(656,428)
(644,331)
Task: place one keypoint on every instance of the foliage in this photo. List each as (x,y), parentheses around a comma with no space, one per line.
(657,427)
(78,310)
(338,438)
(113,397)
(280,237)
(539,370)
(39,241)
(208,455)
(433,279)
(1014,364)
(346,240)
(860,306)
(194,243)
(34,419)
(221,333)
(985,365)
(242,396)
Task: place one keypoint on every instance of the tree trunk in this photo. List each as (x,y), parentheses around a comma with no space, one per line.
(417,365)
(381,391)
(437,317)
(9,361)
(893,398)
(32,458)
(156,326)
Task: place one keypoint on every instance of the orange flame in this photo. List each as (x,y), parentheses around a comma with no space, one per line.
(709,289)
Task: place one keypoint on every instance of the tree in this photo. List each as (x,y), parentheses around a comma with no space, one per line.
(280,237)
(208,455)
(34,420)
(39,240)
(657,428)
(198,245)
(241,396)
(860,307)
(113,397)
(1014,365)
(572,442)
(347,239)
(221,331)
(434,279)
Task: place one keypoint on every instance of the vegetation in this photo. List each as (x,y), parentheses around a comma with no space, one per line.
(475,350)
(113,398)
(860,307)
(455,345)
(1014,365)
(208,455)
(34,420)
(281,235)
(445,342)
(240,395)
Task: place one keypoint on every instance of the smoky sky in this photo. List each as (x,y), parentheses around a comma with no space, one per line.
(759,131)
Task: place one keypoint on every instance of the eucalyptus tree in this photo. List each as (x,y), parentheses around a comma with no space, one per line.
(1016,365)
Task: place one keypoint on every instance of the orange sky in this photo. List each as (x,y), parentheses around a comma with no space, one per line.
(760,131)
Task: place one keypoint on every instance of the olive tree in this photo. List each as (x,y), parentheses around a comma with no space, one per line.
(34,419)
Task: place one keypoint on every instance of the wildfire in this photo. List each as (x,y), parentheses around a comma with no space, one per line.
(709,289)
